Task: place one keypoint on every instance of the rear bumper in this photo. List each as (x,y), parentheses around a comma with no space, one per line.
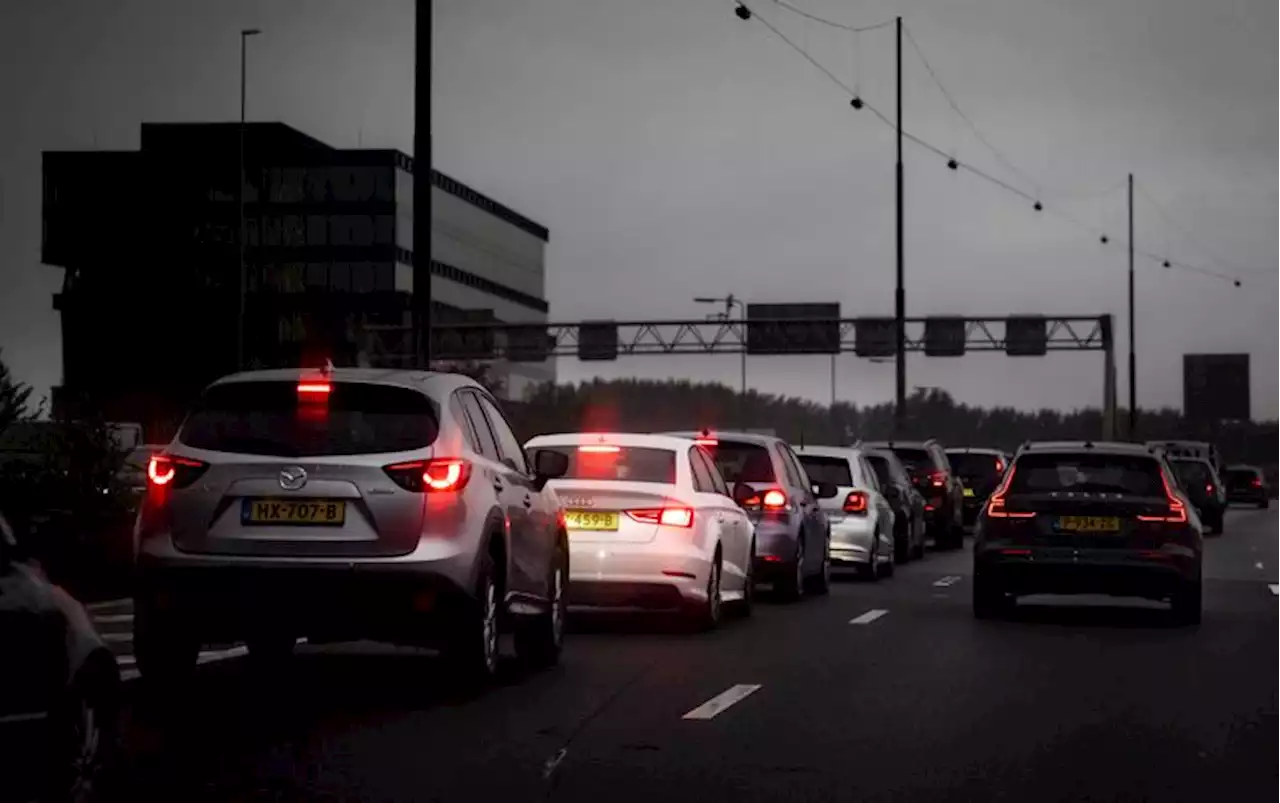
(1118,573)
(635,576)
(853,539)
(1247,497)
(970,510)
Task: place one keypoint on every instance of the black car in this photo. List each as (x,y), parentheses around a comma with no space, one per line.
(980,470)
(903,498)
(1205,488)
(930,471)
(59,697)
(1247,485)
(1087,518)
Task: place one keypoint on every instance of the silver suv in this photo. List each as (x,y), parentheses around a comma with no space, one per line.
(348,504)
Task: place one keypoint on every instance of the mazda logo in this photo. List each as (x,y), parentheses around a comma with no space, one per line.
(293,477)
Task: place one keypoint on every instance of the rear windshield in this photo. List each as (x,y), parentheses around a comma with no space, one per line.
(833,470)
(627,464)
(1192,473)
(976,467)
(742,462)
(915,461)
(1131,475)
(880,466)
(1241,477)
(266,418)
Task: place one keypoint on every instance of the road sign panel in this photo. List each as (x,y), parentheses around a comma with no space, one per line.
(816,329)
(944,336)
(528,343)
(875,337)
(1215,387)
(598,340)
(1026,336)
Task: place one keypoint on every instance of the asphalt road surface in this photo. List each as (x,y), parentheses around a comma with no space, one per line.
(880,691)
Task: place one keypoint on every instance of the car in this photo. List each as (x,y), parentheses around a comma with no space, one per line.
(980,469)
(347,504)
(1247,485)
(60,700)
(862,521)
(1087,518)
(793,536)
(1202,485)
(906,501)
(652,525)
(1202,450)
(930,471)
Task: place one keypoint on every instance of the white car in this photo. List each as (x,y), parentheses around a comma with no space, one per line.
(652,525)
(862,521)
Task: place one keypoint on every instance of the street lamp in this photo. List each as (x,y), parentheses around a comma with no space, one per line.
(730,301)
(240,363)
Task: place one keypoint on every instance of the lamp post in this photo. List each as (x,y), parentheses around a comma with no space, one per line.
(730,301)
(240,338)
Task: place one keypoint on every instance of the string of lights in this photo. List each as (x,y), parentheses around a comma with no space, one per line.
(856,101)
(1175,224)
(830,23)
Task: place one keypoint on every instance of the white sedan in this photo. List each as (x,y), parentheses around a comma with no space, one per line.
(652,525)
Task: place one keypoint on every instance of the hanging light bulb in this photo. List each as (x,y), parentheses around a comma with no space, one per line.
(1039,207)
(953,164)
(1167,264)
(1105,239)
(1237,282)
(856,102)
(743,12)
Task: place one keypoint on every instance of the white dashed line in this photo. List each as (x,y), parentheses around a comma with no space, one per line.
(949,580)
(1275,590)
(868,617)
(721,702)
(130,674)
(114,619)
(108,604)
(117,637)
(1258,565)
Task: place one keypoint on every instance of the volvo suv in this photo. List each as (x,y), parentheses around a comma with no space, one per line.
(931,473)
(348,504)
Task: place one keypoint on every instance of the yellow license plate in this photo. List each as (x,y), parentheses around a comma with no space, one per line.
(1089,524)
(591,520)
(306,512)
(968,492)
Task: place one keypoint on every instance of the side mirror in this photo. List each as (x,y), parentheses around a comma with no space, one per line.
(742,492)
(549,464)
(825,490)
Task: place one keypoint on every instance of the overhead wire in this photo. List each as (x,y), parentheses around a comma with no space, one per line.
(1191,239)
(1104,237)
(830,23)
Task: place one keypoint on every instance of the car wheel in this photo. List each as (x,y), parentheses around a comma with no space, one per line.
(901,545)
(86,738)
(706,616)
(749,584)
(540,639)
(165,649)
(791,585)
(989,601)
(473,655)
(870,571)
(889,567)
(1186,604)
(1219,523)
(1264,504)
(919,547)
(268,650)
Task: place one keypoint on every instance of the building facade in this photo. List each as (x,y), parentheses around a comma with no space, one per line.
(149,241)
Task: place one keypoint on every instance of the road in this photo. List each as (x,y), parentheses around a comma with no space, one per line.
(879,691)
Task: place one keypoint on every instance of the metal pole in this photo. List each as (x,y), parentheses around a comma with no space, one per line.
(1108,379)
(1133,360)
(742,310)
(833,381)
(900,294)
(421,300)
(244,35)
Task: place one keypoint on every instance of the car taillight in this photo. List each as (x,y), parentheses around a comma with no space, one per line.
(995,505)
(598,448)
(666,516)
(431,476)
(706,443)
(999,466)
(314,390)
(774,499)
(856,503)
(1208,488)
(1256,483)
(1177,513)
(938,479)
(169,471)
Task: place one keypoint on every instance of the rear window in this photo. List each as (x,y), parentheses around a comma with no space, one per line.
(1192,473)
(881,467)
(742,462)
(976,467)
(627,464)
(915,461)
(266,418)
(833,470)
(1241,477)
(1131,475)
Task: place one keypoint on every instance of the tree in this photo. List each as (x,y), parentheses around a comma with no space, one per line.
(481,372)
(14,396)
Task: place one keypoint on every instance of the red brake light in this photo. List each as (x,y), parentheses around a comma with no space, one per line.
(774,499)
(314,389)
(1208,487)
(999,466)
(856,503)
(938,479)
(665,516)
(598,448)
(995,505)
(706,442)
(178,472)
(1177,511)
(1257,482)
(430,476)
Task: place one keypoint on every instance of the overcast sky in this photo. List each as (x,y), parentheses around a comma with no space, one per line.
(674,150)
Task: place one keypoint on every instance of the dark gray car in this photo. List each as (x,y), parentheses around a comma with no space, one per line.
(793,537)
(348,504)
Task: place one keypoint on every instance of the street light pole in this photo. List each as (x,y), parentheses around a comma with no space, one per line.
(240,322)
(730,301)
(1133,360)
(900,294)
(421,298)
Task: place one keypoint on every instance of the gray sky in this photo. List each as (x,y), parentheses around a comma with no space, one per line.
(674,150)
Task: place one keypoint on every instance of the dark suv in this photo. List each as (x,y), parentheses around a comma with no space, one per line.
(1201,483)
(980,470)
(793,537)
(930,471)
(1247,485)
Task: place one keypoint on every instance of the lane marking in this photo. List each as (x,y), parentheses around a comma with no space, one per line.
(949,580)
(114,619)
(108,604)
(1275,590)
(117,637)
(549,768)
(206,657)
(1258,565)
(868,617)
(130,674)
(722,701)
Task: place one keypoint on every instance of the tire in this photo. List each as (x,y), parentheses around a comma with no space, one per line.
(918,549)
(85,739)
(791,586)
(1186,604)
(1219,523)
(820,584)
(870,571)
(472,655)
(1264,504)
(540,639)
(888,569)
(706,615)
(164,650)
(269,651)
(747,605)
(989,601)
(901,545)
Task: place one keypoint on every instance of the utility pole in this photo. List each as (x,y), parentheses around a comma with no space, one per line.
(730,301)
(900,294)
(1133,361)
(240,180)
(421,298)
